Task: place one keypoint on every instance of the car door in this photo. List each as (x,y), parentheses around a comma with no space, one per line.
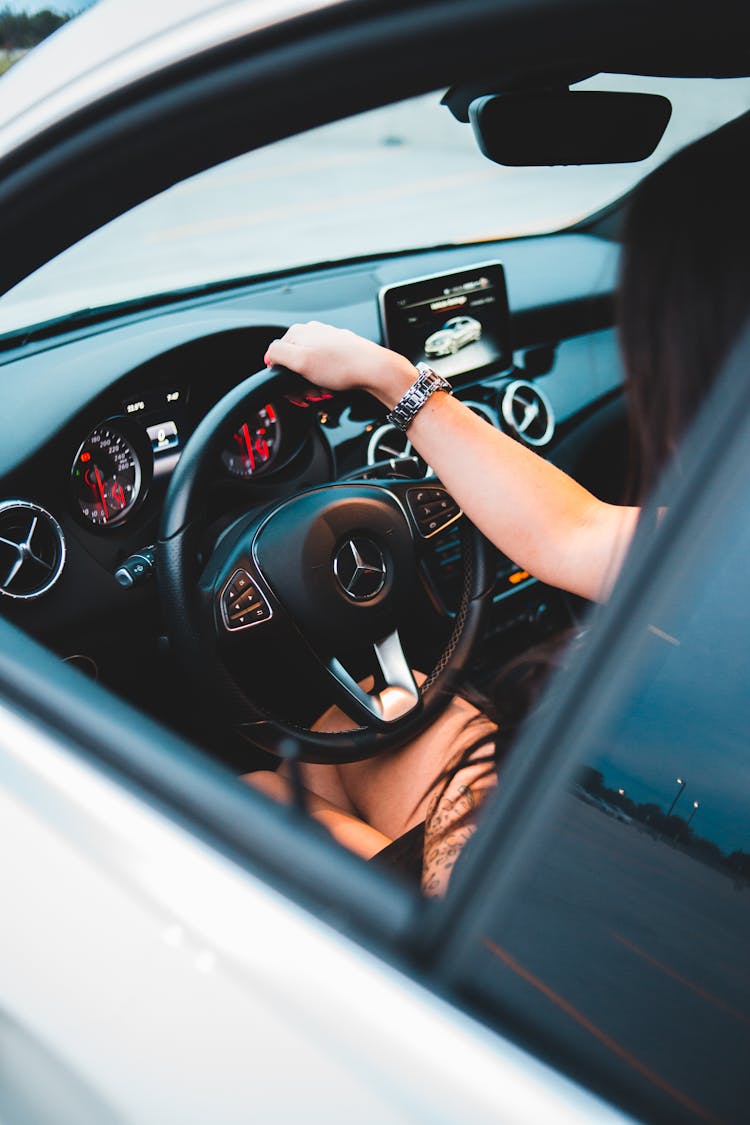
(604,918)
(176,947)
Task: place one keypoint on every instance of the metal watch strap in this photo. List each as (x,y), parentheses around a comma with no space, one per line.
(405,409)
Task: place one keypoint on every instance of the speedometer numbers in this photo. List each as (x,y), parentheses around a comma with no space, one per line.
(254,445)
(106,477)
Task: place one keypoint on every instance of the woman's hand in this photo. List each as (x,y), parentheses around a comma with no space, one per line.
(339,360)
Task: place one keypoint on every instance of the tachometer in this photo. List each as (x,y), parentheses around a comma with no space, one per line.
(254,445)
(106,476)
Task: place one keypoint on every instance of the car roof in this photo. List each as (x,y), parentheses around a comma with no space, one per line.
(117,42)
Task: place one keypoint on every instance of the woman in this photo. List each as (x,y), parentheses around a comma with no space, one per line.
(684,296)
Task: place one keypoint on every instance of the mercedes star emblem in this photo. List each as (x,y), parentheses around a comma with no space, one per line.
(360,568)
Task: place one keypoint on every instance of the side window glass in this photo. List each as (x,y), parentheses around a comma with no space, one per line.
(620,945)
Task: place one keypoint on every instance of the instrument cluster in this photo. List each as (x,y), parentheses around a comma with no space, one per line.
(123,455)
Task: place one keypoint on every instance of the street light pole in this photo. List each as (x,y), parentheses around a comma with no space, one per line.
(695,809)
(682,785)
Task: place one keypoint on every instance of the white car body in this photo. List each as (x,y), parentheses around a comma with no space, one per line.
(166,984)
(113,44)
(154,980)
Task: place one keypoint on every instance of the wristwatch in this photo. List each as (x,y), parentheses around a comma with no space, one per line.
(406,408)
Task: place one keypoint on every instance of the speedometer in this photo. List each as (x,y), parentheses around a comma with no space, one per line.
(254,445)
(106,476)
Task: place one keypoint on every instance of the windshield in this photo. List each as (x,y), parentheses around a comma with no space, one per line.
(401,177)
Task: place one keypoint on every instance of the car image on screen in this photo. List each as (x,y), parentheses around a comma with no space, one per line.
(455,334)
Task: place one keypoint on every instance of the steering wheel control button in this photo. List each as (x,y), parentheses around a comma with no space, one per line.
(242,603)
(360,568)
(433,509)
(137,568)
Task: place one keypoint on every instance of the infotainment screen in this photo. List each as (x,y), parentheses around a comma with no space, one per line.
(455,322)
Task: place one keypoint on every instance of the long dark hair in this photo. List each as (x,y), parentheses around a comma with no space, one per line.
(684,288)
(683,299)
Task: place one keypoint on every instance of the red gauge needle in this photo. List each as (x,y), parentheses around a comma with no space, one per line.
(100,486)
(249,444)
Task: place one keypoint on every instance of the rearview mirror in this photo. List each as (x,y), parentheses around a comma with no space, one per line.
(568,127)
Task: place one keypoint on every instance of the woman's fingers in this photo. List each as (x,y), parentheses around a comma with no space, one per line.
(284,353)
(338,359)
(313,350)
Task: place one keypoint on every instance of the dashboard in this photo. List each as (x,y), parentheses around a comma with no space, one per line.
(97,413)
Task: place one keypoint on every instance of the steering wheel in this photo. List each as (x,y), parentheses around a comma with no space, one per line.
(323,566)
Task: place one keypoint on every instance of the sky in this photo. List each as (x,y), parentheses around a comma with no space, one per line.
(64,7)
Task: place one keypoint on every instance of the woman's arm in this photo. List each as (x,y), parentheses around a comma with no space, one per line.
(541,518)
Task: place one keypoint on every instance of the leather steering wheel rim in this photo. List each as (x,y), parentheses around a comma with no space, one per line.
(183,588)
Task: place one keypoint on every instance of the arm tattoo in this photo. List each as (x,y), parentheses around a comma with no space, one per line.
(443,843)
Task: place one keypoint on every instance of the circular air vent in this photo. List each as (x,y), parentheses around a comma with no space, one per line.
(32,549)
(388,443)
(527,413)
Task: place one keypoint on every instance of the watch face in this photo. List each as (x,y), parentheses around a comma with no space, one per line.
(431,377)
(416,396)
